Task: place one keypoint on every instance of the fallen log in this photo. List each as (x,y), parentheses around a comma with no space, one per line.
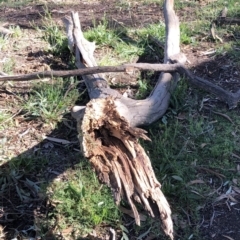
(107,126)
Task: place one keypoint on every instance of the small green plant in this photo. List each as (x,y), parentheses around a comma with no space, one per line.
(53,34)
(17,32)
(102,35)
(3,42)
(124,233)
(186,34)
(52,101)
(143,90)
(126,43)
(8,65)
(4,117)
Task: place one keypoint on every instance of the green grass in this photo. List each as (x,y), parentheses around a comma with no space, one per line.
(50,101)
(12,3)
(8,65)
(4,118)
(53,34)
(180,149)
(124,43)
(6,42)
(3,41)
(82,202)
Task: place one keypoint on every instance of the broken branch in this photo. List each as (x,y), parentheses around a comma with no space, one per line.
(230,98)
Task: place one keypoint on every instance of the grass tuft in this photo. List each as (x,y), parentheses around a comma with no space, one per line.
(54,35)
(51,101)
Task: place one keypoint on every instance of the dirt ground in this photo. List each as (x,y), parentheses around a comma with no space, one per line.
(218,222)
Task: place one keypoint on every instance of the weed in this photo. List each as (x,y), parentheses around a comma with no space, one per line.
(102,35)
(17,32)
(4,117)
(186,36)
(54,35)
(143,89)
(3,42)
(8,65)
(126,43)
(155,30)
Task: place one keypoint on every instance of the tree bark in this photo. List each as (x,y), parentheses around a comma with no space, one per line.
(108,125)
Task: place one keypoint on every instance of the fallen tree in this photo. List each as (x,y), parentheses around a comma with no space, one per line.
(108,125)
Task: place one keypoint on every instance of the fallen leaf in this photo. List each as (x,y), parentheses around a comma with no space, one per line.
(57,140)
(203,145)
(228,237)
(177,178)
(195,182)
(235,181)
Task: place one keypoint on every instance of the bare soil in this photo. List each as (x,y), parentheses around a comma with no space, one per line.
(218,222)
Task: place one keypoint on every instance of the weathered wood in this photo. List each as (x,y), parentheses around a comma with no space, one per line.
(138,112)
(108,133)
(112,147)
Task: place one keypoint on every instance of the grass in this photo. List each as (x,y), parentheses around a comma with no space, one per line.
(126,44)
(15,4)
(8,65)
(81,202)
(181,149)
(51,101)
(3,42)
(53,34)
(191,150)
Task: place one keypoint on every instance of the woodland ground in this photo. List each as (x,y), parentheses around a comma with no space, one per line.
(194,149)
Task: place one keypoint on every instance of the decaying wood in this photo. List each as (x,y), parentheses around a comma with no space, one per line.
(112,147)
(107,126)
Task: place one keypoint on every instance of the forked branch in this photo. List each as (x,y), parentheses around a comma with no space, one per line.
(109,137)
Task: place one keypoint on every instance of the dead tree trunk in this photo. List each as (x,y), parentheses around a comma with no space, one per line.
(108,125)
